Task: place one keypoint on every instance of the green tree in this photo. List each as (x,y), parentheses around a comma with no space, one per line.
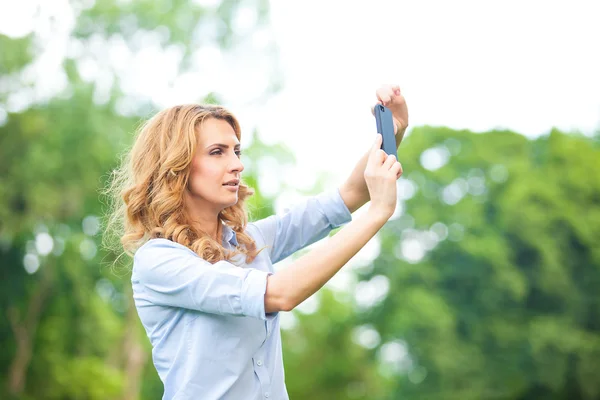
(493,268)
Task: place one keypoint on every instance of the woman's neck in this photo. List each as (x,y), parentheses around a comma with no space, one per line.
(204,219)
(212,228)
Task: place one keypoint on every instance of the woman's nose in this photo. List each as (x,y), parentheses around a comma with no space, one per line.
(237,164)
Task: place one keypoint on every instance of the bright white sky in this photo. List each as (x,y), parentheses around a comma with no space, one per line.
(521,65)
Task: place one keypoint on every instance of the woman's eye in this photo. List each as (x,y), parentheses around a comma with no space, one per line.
(219,152)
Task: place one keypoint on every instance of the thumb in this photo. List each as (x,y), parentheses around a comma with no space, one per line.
(374,154)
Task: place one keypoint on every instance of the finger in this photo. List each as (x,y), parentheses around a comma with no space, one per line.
(381,157)
(389,161)
(374,148)
(396,169)
(373,110)
(377,143)
(376,156)
(375,162)
(384,94)
(385,98)
(392,90)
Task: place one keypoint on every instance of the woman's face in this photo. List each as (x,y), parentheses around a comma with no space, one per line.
(216,166)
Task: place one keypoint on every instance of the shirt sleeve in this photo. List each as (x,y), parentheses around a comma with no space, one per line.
(170,274)
(303,224)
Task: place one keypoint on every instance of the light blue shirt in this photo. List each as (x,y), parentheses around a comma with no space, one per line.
(211,338)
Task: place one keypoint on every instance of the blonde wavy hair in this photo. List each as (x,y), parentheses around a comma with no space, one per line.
(147,190)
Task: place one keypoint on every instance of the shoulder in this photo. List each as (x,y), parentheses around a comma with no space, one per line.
(160,246)
(254,230)
(159,252)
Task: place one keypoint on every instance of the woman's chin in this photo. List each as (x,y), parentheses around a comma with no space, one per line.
(231,203)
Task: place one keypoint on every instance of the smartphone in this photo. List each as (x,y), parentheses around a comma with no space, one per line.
(385,126)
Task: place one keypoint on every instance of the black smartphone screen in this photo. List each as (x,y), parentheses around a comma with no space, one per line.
(385,126)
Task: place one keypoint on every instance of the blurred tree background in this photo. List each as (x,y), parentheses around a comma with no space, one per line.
(484,285)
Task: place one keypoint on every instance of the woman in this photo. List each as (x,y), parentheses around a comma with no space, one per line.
(203,278)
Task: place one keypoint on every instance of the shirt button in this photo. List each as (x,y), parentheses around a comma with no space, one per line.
(267,394)
(259,363)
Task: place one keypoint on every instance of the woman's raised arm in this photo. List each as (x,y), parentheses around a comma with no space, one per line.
(292,285)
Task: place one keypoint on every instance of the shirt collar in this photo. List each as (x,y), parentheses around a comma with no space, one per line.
(229,235)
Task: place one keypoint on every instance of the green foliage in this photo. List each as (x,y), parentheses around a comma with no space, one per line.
(15,54)
(507,305)
(322,360)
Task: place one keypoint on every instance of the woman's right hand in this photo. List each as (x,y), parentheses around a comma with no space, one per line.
(381,174)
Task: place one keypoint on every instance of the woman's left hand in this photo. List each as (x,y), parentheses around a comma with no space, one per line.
(391,97)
